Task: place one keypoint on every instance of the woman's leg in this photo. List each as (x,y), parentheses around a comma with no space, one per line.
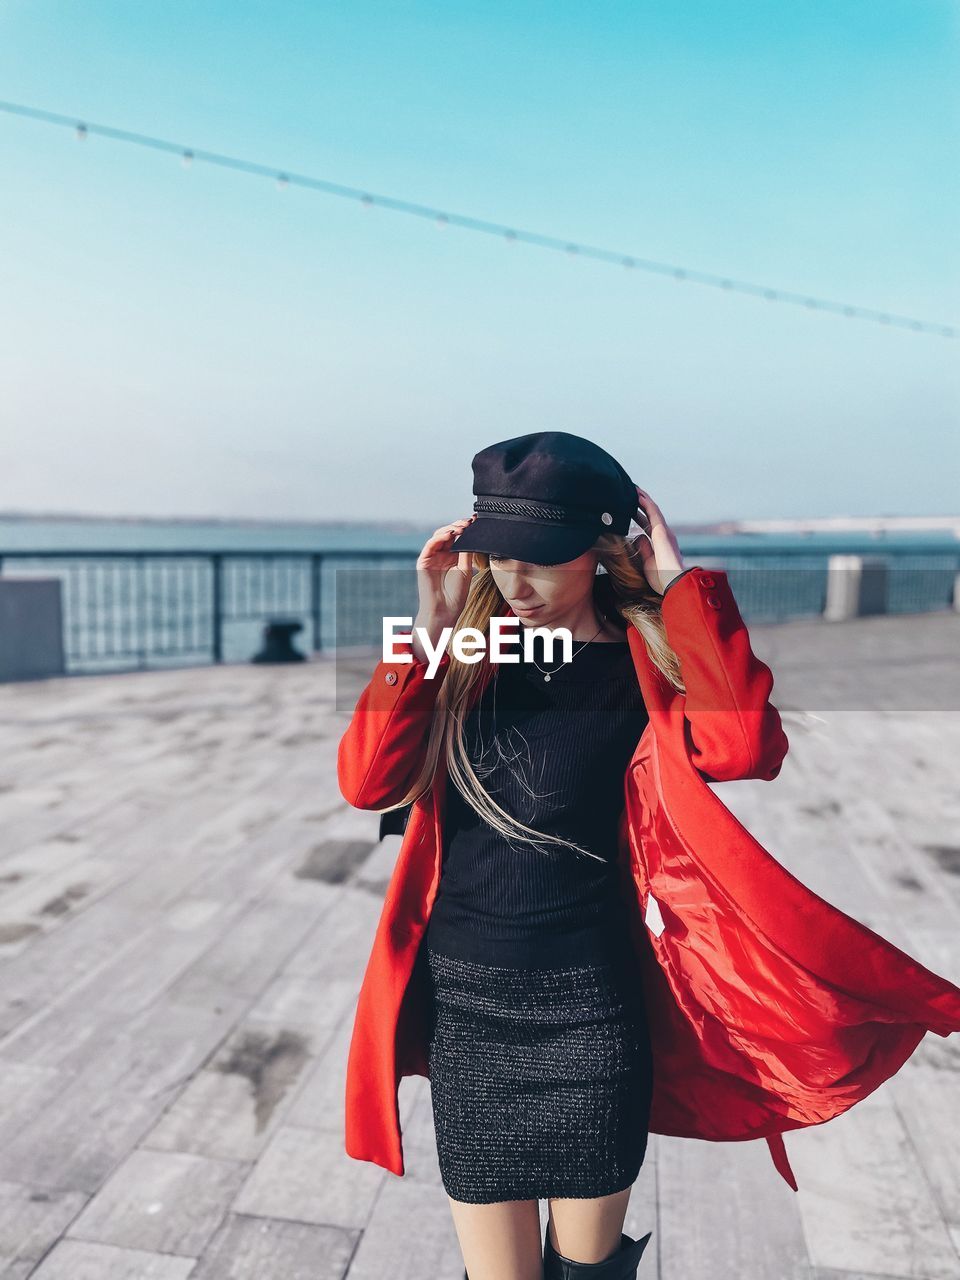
(588,1230)
(500,1241)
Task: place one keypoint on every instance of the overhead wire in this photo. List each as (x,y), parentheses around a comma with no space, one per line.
(287,177)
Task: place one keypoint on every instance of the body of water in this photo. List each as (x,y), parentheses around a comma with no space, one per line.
(174,535)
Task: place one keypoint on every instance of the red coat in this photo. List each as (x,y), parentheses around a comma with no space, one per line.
(769,1008)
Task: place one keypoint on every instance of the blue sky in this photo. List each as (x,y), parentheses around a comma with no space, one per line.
(199,342)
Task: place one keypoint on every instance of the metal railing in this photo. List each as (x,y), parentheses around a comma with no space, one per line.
(144,609)
(141,609)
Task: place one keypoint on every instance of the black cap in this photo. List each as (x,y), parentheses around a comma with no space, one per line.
(545,498)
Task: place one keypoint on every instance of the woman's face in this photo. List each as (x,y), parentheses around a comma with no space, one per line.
(540,594)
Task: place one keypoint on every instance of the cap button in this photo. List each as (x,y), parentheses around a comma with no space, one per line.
(606,517)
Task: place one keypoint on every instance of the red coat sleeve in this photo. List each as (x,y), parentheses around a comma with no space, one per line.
(384,746)
(735,730)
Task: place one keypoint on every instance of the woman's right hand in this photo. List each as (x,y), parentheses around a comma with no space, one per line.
(443,580)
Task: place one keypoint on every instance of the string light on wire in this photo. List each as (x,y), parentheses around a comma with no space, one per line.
(510,235)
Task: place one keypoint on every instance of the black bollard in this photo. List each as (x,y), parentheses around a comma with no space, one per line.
(278,642)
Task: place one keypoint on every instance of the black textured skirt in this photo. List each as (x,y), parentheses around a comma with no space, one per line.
(540,1079)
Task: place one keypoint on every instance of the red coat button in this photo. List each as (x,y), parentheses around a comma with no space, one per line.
(707,581)
(714,602)
(391,677)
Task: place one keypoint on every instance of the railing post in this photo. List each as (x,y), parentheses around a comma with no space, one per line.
(316,568)
(217,607)
(141,611)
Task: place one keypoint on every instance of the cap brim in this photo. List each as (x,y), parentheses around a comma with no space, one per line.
(525,540)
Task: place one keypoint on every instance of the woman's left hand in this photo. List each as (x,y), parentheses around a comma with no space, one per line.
(660,551)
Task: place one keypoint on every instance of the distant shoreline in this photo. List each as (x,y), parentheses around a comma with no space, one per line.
(21,517)
(31,517)
(877,525)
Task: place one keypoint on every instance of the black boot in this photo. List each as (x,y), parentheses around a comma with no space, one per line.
(621,1265)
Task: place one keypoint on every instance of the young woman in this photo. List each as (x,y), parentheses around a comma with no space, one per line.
(507,966)
(539,1055)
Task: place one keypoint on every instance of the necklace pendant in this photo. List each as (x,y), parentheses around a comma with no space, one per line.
(547,676)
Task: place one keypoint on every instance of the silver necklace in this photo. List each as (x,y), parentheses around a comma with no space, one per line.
(547,674)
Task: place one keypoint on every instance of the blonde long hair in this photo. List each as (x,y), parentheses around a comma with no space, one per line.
(630,600)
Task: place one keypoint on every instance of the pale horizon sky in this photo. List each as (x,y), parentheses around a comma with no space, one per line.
(197,342)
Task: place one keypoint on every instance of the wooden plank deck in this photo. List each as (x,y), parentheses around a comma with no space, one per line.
(186,907)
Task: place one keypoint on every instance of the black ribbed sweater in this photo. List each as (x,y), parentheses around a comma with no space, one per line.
(570,740)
